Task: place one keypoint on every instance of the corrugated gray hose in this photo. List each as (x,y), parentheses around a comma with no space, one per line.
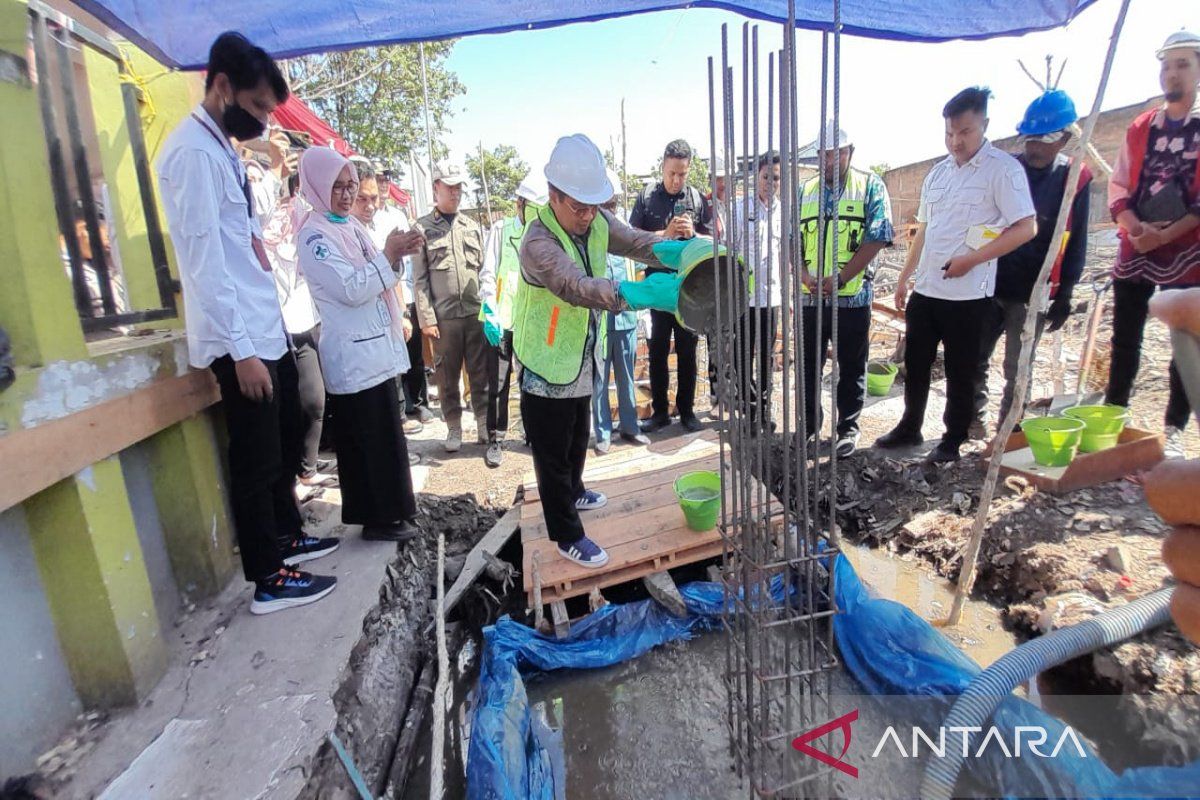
(975,705)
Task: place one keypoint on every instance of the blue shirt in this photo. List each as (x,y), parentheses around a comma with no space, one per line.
(878,210)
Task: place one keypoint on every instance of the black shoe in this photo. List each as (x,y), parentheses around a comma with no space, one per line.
(899,437)
(690,423)
(396,532)
(944,453)
(306,548)
(635,438)
(654,423)
(289,588)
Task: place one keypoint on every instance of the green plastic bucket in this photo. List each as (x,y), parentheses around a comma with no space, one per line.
(699,496)
(1102,425)
(1053,440)
(880,377)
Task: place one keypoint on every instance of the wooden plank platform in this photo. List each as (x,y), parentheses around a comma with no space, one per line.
(642,527)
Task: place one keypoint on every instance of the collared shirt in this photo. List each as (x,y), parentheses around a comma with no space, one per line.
(989,190)
(762,250)
(446,268)
(229,301)
(653,210)
(386,220)
(878,210)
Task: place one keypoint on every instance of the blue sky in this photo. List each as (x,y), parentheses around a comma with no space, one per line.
(528,88)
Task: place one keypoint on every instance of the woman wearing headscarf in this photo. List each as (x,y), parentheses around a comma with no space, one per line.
(362,347)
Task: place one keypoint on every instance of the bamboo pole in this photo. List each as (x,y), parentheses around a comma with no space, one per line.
(487,197)
(1037,300)
(437,767)
(425,94)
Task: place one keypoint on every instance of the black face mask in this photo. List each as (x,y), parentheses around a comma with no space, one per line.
(241,124)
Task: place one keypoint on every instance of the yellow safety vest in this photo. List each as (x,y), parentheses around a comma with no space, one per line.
(550,334)
(852,224)
(509,267)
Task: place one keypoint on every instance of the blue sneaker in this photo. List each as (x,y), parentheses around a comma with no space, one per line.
(590,500)
(306,548)
(584,552)
(289,588)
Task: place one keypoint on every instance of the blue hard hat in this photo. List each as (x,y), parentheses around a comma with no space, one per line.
(1052,111)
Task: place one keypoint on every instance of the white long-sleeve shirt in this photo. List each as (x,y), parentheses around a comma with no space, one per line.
(763,251)
(493,243)
(229,301)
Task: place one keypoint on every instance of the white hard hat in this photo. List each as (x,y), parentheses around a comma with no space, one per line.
(577,168)
(1180,40)
(533,188)
(614,179)
(832,135)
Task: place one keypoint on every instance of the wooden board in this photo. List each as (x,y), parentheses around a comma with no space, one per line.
(642,527)
(58,449)
(1136,450)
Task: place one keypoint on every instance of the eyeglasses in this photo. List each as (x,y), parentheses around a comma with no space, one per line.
(580,210)
(345,188)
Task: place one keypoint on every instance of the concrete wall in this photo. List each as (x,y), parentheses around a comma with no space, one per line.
(112,502)
(37,698)
(904,183)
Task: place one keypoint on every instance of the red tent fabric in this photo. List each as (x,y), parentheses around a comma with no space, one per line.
(294,115)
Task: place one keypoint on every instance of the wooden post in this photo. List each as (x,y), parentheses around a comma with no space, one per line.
(1024,368)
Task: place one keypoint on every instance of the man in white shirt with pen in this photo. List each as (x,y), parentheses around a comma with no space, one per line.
(975,207)
(234,324)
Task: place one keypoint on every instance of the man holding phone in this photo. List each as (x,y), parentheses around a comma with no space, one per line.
(677,211)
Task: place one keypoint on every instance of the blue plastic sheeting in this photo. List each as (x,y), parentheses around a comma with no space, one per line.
(892,651)
(511,757)
(179,32)
(886,647)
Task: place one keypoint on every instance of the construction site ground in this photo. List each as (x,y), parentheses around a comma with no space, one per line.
(238,683)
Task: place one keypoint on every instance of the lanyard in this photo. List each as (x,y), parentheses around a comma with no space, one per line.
(239,173)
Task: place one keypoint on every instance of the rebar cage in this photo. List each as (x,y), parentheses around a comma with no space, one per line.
(777,521)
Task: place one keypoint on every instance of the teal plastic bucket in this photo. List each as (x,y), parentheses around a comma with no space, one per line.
(699,495)
(1053,440)
(880,377)
(1102,425)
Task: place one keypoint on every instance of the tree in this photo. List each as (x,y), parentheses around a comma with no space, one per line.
(505,170)
(373,96)
(880,168)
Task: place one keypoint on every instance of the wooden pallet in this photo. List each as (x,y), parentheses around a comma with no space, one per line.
(642,527)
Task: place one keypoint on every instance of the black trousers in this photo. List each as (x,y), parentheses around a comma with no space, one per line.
(312,397)
(754,345)
(662,326)
(854,344)
(557,430)
(372,456)
(958,325)
(414,381)
(1131,303)
(264,457)
(500,373)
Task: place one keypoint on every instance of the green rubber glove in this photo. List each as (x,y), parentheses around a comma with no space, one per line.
(670,253)
(659,291)
(491,326)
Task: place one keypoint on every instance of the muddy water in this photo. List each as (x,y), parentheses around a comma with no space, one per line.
(655,727)
(980,633)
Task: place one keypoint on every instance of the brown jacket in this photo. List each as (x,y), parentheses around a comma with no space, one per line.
(446,268)
(545,263)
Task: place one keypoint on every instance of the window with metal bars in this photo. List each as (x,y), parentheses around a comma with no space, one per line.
(82,194)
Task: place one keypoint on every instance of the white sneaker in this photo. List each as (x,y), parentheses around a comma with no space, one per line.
(1173,447)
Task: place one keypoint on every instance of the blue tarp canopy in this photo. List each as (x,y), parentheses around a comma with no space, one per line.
(179,32)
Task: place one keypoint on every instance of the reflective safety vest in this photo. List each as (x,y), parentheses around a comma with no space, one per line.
(852,224)
(550,334)
(509,267)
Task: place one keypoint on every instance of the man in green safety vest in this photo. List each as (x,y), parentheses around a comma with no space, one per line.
(559,330)
(840,277)
(498,281)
